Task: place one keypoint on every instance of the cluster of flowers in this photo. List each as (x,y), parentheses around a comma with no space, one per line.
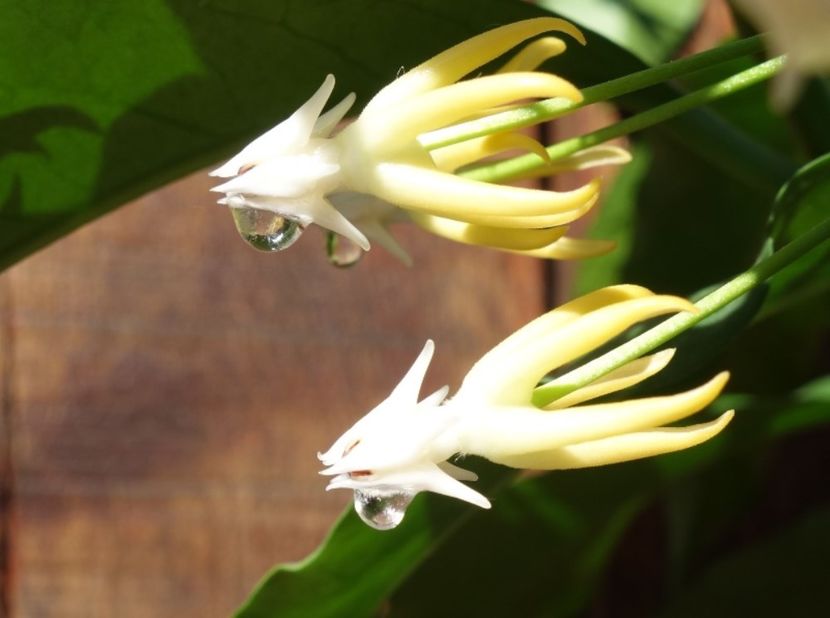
(376,171)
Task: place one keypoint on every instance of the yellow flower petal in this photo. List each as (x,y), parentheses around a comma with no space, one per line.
(392,130)
(573,249)
(625,447)
(479,380)
(450,158)
(500,238)
(456,62)
(533,54)
(628,375)
(445,195)
(507,432)
(508,383)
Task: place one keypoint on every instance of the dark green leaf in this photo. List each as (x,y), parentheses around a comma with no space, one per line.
(356,567)
(786,575)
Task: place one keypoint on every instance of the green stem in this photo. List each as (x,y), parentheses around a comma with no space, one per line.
(542,111)
(675,325)
(518,167)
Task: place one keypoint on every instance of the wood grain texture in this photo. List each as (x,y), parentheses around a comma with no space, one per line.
(166,388)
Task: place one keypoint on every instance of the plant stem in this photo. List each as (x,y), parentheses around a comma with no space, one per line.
(518,167)
(666,330)
(542,111)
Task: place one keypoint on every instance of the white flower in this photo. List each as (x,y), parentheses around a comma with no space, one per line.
(375,170)
(404,446)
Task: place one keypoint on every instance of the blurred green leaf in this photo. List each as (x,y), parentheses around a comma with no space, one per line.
(650,29)
(785,575)
(539,552)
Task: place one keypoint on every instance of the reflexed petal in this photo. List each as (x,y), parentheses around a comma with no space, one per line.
(500,238)
(453,64)
(531,222)
(583,160)
(450,158)
(454,197)
(395,128)
(533,54)
(479,377)
(625,447)
(573,249)
(511,383)
(507,432)
(628,375)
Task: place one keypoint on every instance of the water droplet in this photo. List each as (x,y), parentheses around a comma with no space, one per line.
(381,509)
(265,230)
(341,251)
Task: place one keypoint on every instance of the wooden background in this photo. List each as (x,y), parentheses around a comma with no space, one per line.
(165,390)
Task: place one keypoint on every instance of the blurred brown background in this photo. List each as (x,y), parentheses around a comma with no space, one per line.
(165,389)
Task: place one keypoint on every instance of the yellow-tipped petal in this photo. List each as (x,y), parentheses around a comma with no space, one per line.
(398,126)
(508,432)
(456,62)
(479,382)
(533,54)
(500,238)
(450,158)
(583,160)
(617,449)
(535,222)
(454,197)
(628,375)
(572,249)
(514,381)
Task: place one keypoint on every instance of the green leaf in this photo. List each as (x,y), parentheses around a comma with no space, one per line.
(785,575)
(357,567)
(539,552)
(650,29)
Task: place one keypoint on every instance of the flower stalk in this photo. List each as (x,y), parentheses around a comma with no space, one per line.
(518,167)
(550,109)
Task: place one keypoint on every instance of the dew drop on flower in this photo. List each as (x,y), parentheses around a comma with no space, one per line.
(381,509)
(265,230)
(341,251)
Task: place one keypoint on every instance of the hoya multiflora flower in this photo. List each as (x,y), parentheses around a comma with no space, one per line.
(404,446)
(376,171)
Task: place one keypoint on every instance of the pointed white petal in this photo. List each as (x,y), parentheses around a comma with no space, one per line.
(327,216)
(458,473)
(328,121)
(406,392)
(288,136)
(292,176)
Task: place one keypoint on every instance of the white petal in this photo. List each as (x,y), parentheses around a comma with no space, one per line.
(327,122)
(292,176)
(407,390)
(288,136)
